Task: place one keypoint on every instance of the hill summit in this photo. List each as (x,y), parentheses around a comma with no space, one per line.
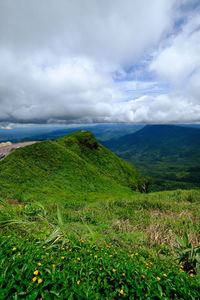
(73,165)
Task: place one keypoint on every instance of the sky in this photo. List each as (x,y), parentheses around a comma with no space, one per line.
(107,61)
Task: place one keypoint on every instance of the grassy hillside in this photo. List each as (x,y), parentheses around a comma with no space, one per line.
(73,165)
(102,247)
(72,226)
(168,153)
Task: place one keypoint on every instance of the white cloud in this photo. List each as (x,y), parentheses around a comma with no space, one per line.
(57,59)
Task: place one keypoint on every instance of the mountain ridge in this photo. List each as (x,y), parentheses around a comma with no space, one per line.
(74,164)
(165,152)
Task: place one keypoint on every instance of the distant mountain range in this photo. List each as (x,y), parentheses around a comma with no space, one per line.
(170,154)
(40,133)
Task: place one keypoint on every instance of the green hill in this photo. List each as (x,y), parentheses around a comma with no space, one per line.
(168,153)
(73,165)
(83,233)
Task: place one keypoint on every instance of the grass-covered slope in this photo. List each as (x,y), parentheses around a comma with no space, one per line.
(75,164)
(111,247)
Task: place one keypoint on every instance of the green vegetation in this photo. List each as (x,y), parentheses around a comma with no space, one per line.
(167,153)
(67,270)
(73,165)
(73,227)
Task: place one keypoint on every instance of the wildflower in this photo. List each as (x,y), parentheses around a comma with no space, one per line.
(165,275)
(62,257)
(78,258)
(158,278)
(53,265)
(39,280)
(136,253)
(110,255)
(18,254)
(181,270)
(78,282)
(34,279)
(114,270)
(44,247)
(36,272)
(143,276)
(62,248)
(90,254)
(100,269)
(191,275)
(121,292)
(47,253)
(14,248)
(95,256)
(39,264)
(123,274)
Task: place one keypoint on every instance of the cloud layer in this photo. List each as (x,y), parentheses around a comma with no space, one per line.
(99,61)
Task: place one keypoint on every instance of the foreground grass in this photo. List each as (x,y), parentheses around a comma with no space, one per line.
(124,220)
(69,270)
(98,246)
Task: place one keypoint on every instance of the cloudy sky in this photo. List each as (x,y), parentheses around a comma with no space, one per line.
(73,61)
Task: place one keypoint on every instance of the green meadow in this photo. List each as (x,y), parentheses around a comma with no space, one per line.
(74,225)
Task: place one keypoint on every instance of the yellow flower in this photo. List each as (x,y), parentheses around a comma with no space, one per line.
(39,280)
(121,292)
(90,254)
(165,275)
(158,278)
(181,270)
(44,247)
(114,270)
(110,255)
(95,256)
(18,254)
(191,275)
(62,257)
(100,269)
(143,276)
(78,282)
(36,272)
(39,264)
(123,274)
(34,278)
(62,248)
(136,253)
(14,248)
(78,258)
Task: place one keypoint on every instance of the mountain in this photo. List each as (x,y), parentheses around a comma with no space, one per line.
(73,165)
(40,133)
(169,153)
